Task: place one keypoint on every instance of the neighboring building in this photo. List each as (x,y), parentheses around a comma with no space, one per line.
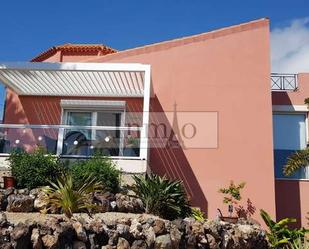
(197,109)
(290,122)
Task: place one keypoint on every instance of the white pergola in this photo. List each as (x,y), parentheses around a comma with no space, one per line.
(82,79)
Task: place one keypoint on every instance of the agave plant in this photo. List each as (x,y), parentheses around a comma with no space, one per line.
(279,234)
(296,161)
(64,196)
(162,196)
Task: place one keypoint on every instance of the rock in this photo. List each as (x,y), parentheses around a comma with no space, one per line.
(79,245)
(5,238)
(99,233)
(180,224)
(50,241)
(138,205)
(21,236)
(40,203)
(113,238)
(123,231)
(150,236)
(175,237)
(123,244)
(227,241)
(163,242)
(150,221)
(124,204)
(159,227)
(3,202)
(127,204)
(33,193)
(211,241)
(124,221)
(36,239)
(139,244)
(3,220)
(101,202)
(197,228)
(80,231)
(23,191)
(19,203)
(107,247)
(9,191)
(136,229)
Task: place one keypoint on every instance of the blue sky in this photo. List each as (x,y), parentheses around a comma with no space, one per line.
(29,27)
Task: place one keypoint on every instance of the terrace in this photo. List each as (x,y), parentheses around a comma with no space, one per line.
(283,82)
(96,114)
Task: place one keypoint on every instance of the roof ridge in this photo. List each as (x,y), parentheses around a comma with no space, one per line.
(188,39)
(71,46)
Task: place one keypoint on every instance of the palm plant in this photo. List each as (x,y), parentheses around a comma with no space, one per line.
(296,161)
(63,195)
(162,196)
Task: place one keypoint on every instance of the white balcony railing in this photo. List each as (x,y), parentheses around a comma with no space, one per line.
(72,141)
(283,82)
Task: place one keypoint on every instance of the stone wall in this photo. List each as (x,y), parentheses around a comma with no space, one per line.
(139,232)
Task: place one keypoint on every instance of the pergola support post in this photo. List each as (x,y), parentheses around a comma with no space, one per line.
(146,107)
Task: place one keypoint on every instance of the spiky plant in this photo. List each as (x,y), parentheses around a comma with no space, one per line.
(198,214)
(279,234)
(299,244)
(69,199)
(296,161)
(161,196)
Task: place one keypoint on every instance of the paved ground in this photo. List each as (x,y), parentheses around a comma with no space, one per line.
(107,217)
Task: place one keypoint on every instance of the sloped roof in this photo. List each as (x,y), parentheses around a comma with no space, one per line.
(75,48)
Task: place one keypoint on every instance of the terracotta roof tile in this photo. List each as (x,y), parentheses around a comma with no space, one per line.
(75,48)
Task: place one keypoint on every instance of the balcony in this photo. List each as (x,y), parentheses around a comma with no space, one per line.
(283,82)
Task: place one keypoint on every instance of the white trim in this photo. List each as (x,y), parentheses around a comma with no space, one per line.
(146,104)
(82,104)
(69,66)
(290,108)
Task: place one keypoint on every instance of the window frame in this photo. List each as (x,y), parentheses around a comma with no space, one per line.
(294,112)
(94,114)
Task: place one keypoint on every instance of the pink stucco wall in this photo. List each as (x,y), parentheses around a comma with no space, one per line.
(226,71)
(292,195)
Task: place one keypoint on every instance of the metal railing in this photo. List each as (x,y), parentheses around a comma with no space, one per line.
(72,141)
(283,82)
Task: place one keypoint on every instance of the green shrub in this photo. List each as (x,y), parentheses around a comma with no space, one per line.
(102,167)
(70,199)
(161,196)
(35,169)
(279,234)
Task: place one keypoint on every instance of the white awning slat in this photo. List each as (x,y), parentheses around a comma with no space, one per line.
(75,79)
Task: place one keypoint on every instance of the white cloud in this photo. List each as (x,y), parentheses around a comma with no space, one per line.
(290,47)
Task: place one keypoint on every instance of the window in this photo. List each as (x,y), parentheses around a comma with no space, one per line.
(87,141)
(289,131)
